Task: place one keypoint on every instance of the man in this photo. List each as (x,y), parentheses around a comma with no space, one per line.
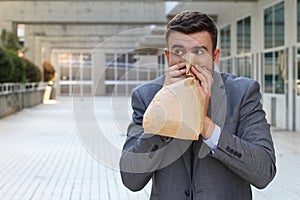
(236,134)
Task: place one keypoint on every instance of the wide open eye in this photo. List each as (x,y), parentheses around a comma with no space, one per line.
(198,51)
(179,52)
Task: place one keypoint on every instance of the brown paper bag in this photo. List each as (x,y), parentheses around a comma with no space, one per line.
(177,109)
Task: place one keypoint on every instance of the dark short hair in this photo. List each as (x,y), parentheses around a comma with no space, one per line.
(188,22)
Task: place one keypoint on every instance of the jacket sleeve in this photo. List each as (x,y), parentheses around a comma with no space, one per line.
(249,151)
(142,153)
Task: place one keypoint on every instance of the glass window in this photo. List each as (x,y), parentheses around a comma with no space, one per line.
(132,74)
(274,70)
(64,73)
(274,26)
(225,41)
(21,34)
(143,73)
(87,74)
(298,73)
(121,73)
(279,24)
(76,73)
(125,71)
(244,35)
(247,40)
(268,58)
(161,64)
(109,74)
(240,37)
(87,89)
(109,67)
(64,89)
(298,20)
(109,60)
(76,59)
(244,66)
(279,72)
(109,89)
(75,66)
(121,60)
(225,65)
(268,28)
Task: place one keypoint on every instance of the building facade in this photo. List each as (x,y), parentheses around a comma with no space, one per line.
(96,47)
(105,47)
(260,39)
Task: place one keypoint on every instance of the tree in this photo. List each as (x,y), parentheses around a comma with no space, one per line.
(49,71)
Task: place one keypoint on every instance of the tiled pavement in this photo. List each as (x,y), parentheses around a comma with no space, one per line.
(50,152)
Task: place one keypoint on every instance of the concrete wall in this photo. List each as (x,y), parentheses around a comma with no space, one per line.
(89,26)
(297,120)
(75,21)
(279,108)
(82,11)
(16,101)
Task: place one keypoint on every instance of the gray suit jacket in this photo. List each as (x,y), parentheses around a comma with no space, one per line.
(179,169)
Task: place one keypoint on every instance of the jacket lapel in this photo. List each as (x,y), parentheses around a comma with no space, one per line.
(217,112)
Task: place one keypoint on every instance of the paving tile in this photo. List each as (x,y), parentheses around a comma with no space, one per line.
(43,154)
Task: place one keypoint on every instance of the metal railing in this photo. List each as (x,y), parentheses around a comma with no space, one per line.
(8,88)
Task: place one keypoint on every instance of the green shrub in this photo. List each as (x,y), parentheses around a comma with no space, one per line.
(32,72)
(6,66)
(10,40)
(18,67)
(12,67)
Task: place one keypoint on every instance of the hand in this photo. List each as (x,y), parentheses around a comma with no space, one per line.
(175,73)
(206,80)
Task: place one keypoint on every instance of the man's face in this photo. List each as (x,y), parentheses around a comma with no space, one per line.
(199,43)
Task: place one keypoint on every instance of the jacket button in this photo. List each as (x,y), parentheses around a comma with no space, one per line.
(239,155)
(235,153)
(228,148)
(187,193)
(155,147)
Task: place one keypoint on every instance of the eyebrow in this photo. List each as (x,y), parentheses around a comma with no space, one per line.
(200,47)
(177,46)
(195,47)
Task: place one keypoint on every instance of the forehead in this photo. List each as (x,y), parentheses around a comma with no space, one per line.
(202,38)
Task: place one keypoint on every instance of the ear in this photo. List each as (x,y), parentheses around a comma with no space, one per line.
(167,54)
(216,56)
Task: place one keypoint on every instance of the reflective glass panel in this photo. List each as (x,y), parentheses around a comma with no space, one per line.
(298,20)
(268,68)
(268,27)
(279,24)
(279,72)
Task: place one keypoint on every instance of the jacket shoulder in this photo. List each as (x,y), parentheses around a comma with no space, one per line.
(149,89)
(236,83)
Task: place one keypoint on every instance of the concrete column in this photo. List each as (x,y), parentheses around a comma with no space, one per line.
(290,42)
(98,59)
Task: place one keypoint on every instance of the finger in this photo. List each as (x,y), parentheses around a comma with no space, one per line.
(198,74)
(204,86)
(177,66)
(177,73)
(206,73)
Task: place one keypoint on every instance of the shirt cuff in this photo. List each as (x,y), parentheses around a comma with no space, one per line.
(212,142)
